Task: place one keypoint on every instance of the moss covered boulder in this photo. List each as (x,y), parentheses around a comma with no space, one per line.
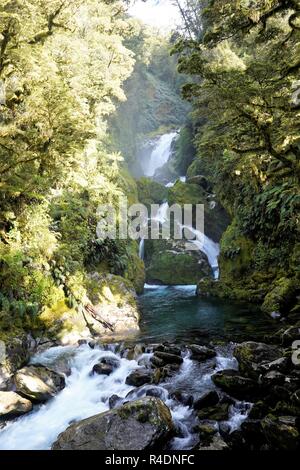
(280,296)
(168,262)
(281,433)
(252,355)
(151,192)
(139,425)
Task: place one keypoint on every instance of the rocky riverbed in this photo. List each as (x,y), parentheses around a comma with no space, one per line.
(144,396)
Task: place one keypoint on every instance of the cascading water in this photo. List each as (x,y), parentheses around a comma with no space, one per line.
(142,248)
(160,154)
(207,246)
(86,395)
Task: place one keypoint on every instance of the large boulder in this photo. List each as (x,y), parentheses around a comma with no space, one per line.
(12,405)
(140,377)
(217,444)
(106,366)
(169,262)
(210,398)
(38,383)
(201,353)
(231,382)
(281,433)
(215,413)
(252,355)
(168,358)
(138,425)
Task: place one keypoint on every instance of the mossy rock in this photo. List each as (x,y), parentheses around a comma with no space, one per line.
(135,269)
(281,433)
(151,192)
(280,297)
(138,425)
(170,264)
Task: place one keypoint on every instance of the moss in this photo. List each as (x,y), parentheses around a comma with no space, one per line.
(135,268)
(170,267)
(151,192)
(182,193)
(282,293)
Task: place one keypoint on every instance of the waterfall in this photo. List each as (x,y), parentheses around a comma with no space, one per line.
(210,248)
(160,154)
(162,213)
(142,248)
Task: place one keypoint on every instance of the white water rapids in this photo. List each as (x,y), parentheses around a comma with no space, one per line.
(86,395)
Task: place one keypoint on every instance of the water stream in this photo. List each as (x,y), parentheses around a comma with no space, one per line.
(172,314)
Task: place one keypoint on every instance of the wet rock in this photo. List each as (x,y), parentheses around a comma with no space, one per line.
(217,444)
(290,335)
(280,365)
(139,425)
(184,398)
(169,370)
(232,383)
(210,398)
(296,397)
(114,401)
(216,413)
(168,348)
(235,440)
(251,355)
(224,429)
(106,366)
(253,433)
(281,433)
(206,431)
(201,353)
(168,358)
(140,377)
(38,383)
(146,391)
(271,378)
(12,405)
(156,361)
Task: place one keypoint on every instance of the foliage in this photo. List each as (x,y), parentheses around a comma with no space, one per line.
(62,68)
(244,86)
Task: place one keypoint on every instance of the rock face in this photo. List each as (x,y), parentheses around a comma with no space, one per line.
(251,355)
(13,355)
(38,383)
(12,405)
(139,425)
(109,300)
